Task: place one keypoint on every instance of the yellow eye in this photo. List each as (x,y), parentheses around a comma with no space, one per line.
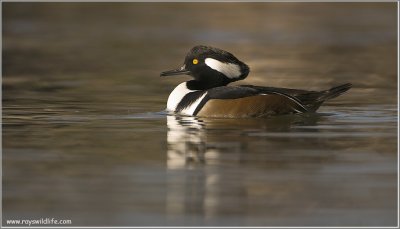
(195,61)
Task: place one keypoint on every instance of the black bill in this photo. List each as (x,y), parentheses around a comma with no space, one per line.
(179,71)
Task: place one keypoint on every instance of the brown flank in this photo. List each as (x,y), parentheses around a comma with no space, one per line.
(252,106)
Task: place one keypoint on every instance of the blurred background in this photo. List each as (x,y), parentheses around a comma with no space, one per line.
(118,50)
(84,139)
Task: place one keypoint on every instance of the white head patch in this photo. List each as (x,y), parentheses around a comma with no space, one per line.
(228,69)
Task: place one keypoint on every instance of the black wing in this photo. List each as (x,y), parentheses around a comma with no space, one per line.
(236,92)
(310,99)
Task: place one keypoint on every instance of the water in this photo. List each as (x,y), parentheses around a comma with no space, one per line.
(85,136)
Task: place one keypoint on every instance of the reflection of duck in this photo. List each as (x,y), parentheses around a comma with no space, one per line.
(211,162)
(192,189)
(192,140)
(188,143)
(208,96)
(185,140)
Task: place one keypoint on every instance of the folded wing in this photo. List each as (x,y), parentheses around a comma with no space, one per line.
(247,102)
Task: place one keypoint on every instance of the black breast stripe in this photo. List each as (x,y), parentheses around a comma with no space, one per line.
(201,104)
(188,100)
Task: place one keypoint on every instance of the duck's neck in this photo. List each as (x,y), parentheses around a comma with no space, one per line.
(205,85)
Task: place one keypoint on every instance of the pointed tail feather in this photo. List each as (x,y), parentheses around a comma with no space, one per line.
(334,92)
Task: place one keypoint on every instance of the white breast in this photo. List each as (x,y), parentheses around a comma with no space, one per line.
(177,95)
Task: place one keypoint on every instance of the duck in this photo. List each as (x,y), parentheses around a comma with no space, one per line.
(207,94)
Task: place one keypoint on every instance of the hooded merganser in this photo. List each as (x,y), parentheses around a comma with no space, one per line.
(208,96)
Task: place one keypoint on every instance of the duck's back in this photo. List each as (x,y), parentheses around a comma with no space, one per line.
(312,100)
(257,101)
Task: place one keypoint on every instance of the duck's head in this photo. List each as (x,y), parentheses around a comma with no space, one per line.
(211,67)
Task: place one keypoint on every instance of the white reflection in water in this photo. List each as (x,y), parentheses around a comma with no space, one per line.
(195,190)
(185,141)
(188,143)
